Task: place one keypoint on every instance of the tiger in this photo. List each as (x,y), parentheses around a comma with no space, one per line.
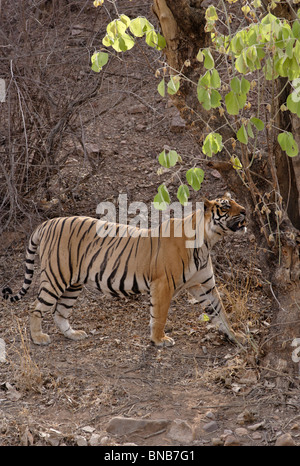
(73,254)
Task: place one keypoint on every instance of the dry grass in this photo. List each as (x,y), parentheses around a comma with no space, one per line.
(27,374)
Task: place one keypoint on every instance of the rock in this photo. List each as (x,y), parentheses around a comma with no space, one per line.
(136,109)
(257,426)
(181,431)
(88,429)
(245,417)
(210,415)
(285,440)
(211,426)
(241,431)
(231,441)
(81,441)
(95,440)
(104,441)
(53,441)
(217,442)
(177,124)
(125,426)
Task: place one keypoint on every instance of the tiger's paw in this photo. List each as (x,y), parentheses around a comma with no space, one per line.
(75,334)
(40,339)
(165,341)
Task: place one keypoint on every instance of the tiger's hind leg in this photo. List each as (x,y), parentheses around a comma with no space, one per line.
(45,301)
(160,302)
(63,310)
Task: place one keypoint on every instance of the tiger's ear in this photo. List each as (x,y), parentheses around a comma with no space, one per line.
(207,204)
(227,196)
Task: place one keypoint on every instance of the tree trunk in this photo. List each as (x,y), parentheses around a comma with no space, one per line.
(182,23)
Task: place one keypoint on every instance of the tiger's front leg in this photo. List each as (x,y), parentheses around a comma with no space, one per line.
(160,302)
(214,308)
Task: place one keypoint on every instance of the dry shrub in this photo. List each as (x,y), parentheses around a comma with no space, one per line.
(28,376)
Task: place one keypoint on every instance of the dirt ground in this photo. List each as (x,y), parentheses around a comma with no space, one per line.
(68,392)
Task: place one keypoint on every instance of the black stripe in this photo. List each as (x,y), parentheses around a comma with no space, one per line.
(183,276)
(196,258)
(61,289)
(97,281)
(42,301)
(167,277)
(110,278)
(49,292)
(58,252)
(66,306)
(135,288)
(91,264)
(146,282)
(33,243)
(207,280)
(123,278)
(173,280)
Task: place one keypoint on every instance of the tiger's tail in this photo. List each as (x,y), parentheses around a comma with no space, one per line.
(29,263)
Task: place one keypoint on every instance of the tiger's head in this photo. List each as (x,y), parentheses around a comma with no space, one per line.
(223,216)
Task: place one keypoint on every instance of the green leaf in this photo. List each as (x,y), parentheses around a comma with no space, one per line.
(293,103)
(99,59)
(206,90)
(215,79)
(162,198)
(236,163)
(125,20)
(211,14)
(162,88)
(245,86)
(155,40)
(107,41)
(212,144)
(208,59)
(123,43)
(200,56)
(173,85)
(215,99)
(205,81)
(259,125)
(137,26)
(195,177)
(270,70)
(204,97)
(161,42)
(183,194)
(249,130)
(151,38)
(116,28)
(241,64)
(232,103)
(242,135)
(235,85)
(296,29)
(288,144)
(168,159)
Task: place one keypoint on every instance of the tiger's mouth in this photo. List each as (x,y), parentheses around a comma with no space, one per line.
(238,225)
